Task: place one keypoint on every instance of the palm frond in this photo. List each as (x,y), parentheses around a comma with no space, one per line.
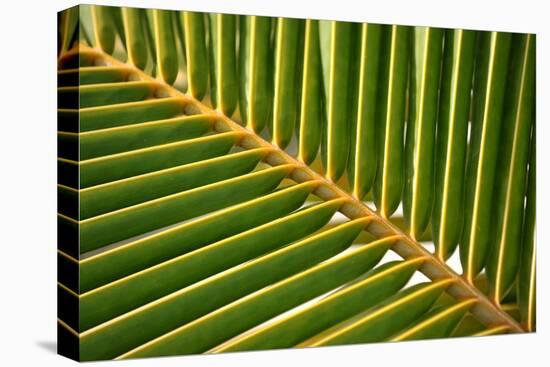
(213,170)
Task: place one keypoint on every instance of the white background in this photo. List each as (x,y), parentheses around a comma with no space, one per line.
(28,179)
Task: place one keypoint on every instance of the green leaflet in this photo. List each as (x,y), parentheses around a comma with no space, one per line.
(92,75)
(427,44)
(104,28)
(388,184)
(489,87)
(82,34)
(181,48)
(120,29)
(223,66)
(336,56)
(164,41)
(105,303)
(98,143)
(255,71)
(143,253)
(136,41)
(439,323)
(102,117)
(510,181)
(68,21)
(311,109)
(511,309)
(287,71)
(228,321)
(469,325)
(105,94)
(527,271)
(193,27)
(363,150)
(451,146)
(136,162)
(382,321)
(119,194)
(152,320)
(111,227)
(367,291)
(149,31)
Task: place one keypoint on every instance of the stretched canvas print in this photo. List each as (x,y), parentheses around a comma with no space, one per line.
(233,183)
